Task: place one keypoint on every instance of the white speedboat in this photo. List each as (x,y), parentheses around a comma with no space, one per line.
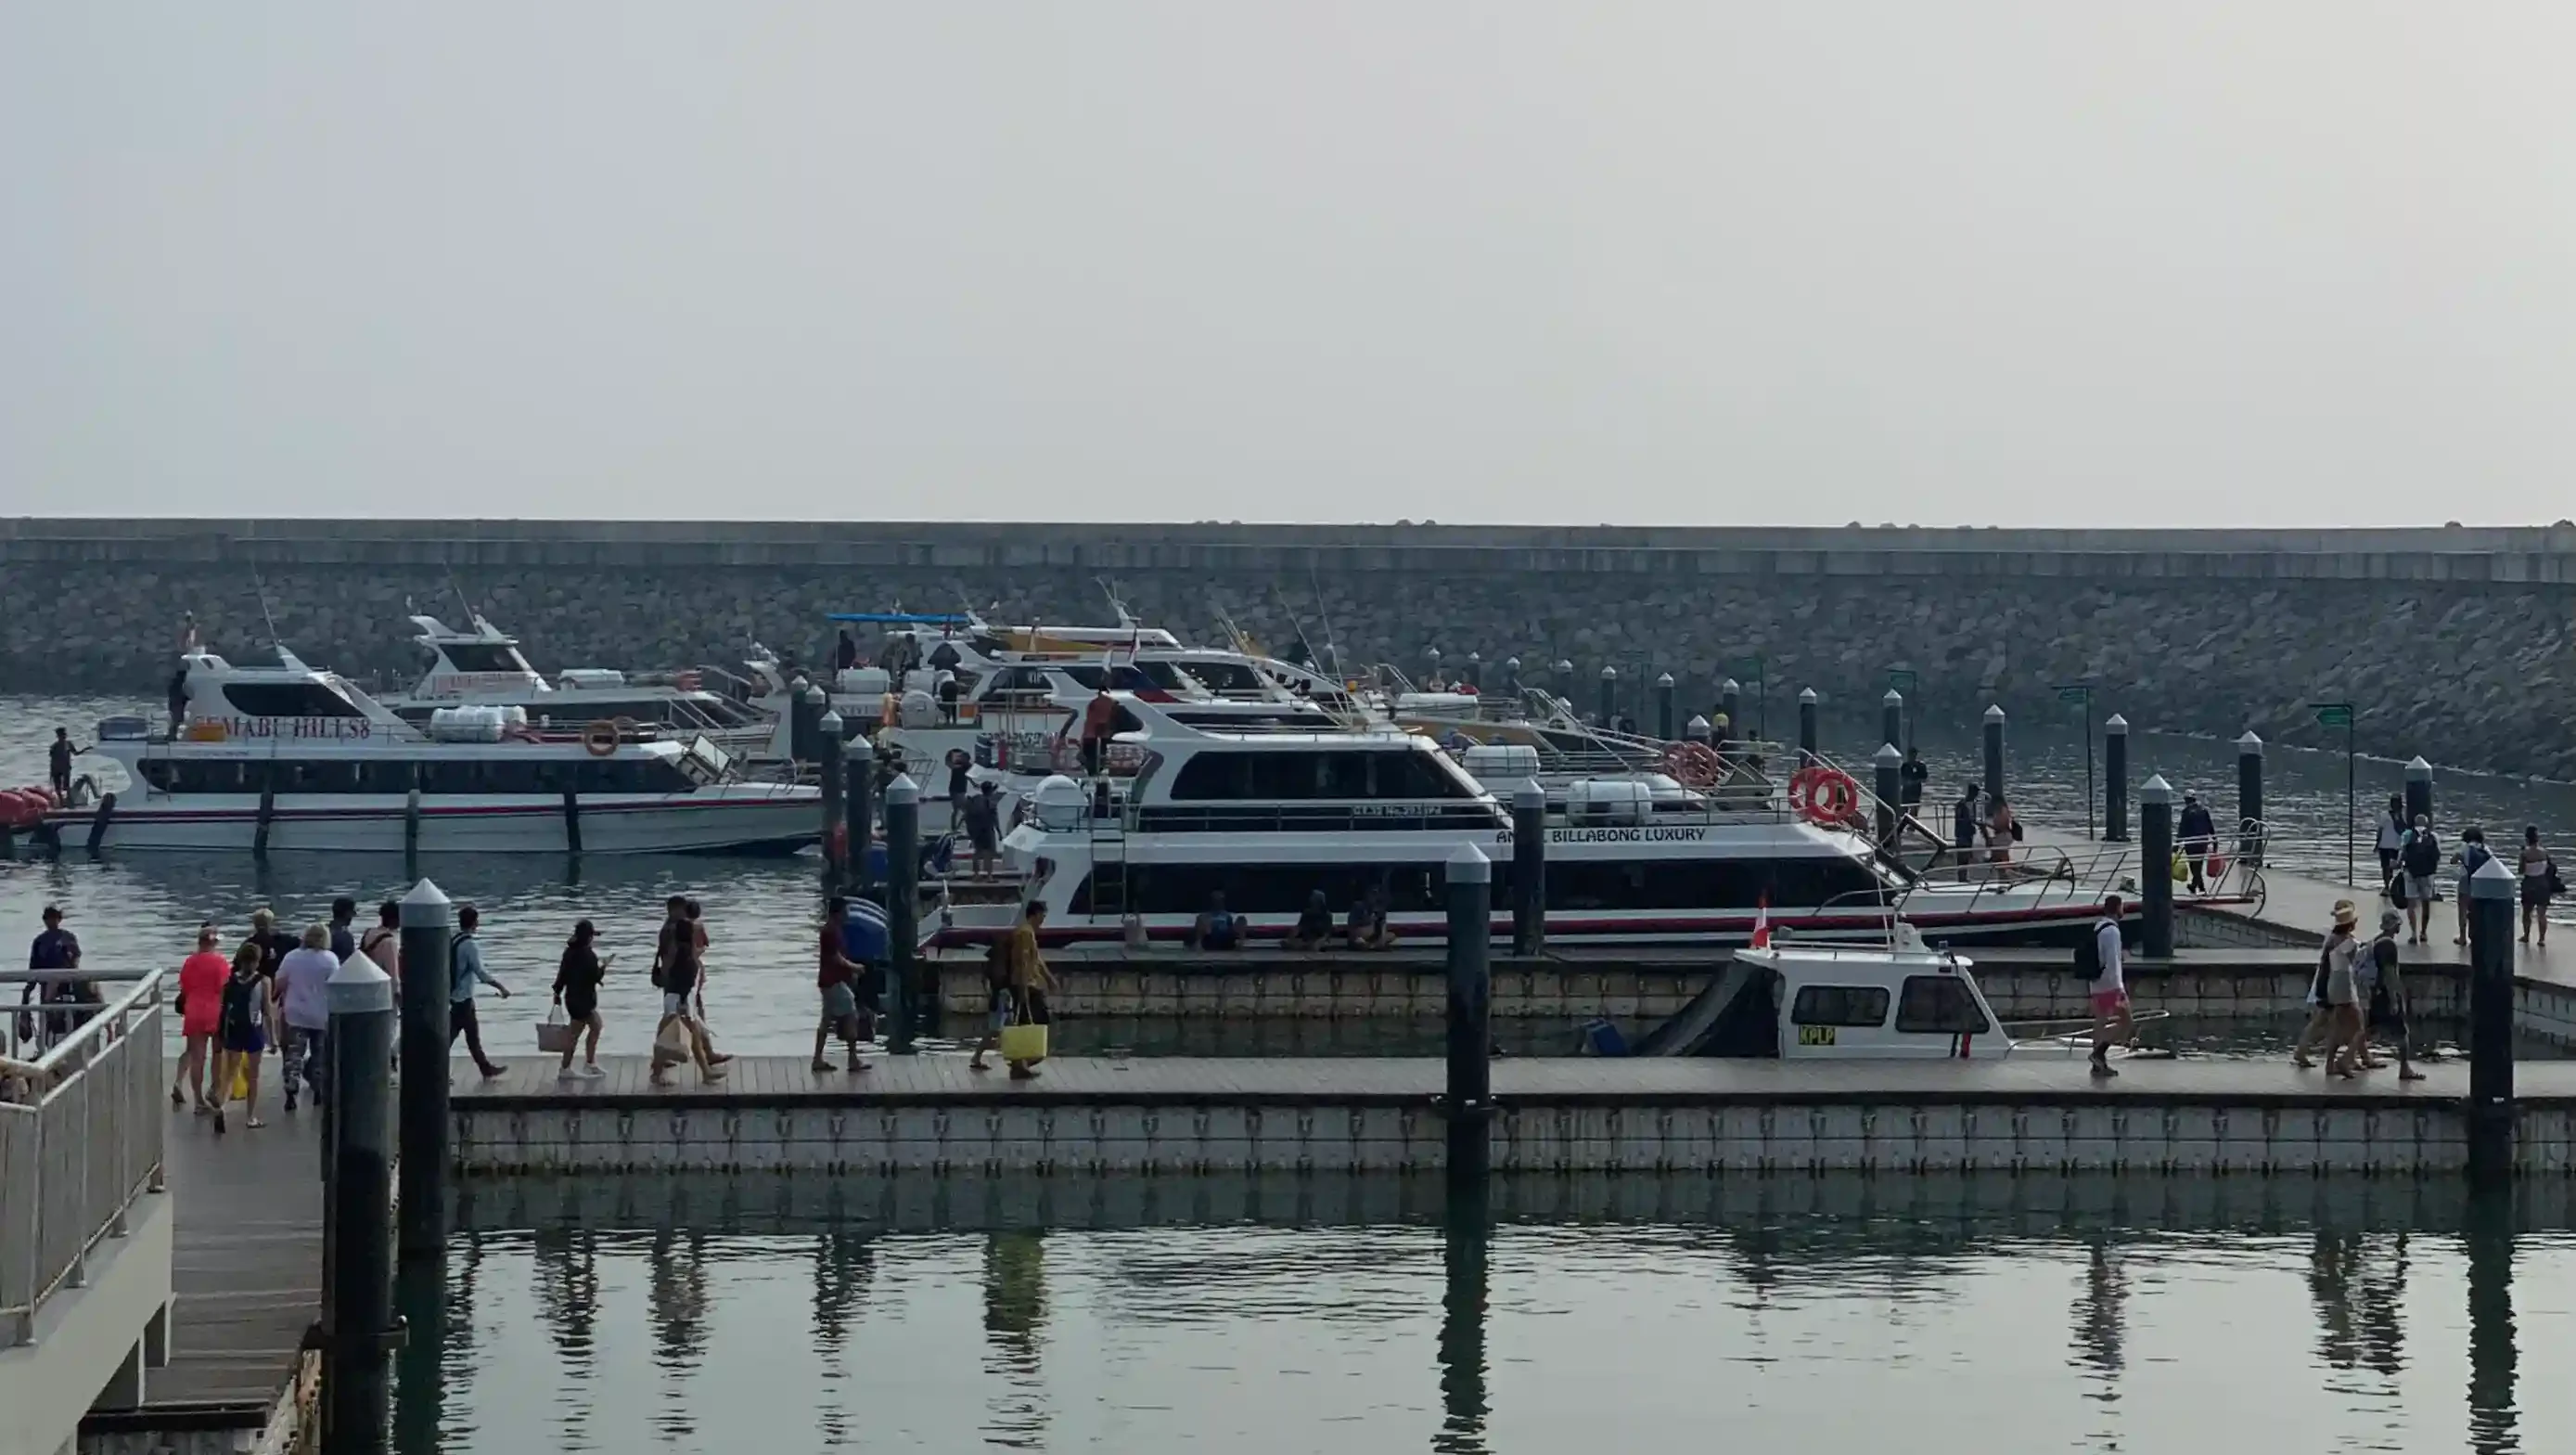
(289,758)
(1269,817)
(483,667)
(1893,1001)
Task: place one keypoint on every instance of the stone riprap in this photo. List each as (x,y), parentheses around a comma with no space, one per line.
(2453,642)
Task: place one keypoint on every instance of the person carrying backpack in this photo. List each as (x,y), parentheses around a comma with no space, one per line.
(2108,990)
(2419,858)
(2472,857)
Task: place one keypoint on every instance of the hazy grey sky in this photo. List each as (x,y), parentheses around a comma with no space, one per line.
(2294,261)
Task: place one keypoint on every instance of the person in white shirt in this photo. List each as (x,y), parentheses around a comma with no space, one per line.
(2110,991)
(303,984)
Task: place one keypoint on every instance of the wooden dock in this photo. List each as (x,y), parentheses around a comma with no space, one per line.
(1189,1115)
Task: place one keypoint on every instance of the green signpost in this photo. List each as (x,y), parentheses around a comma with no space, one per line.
(2339,714)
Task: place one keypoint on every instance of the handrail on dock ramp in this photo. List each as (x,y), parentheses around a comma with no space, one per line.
(80,1140)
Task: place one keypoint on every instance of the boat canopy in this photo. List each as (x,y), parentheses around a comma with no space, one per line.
(901,618)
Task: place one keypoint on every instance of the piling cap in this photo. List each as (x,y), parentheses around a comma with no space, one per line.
(2494,881)
(859,750)
(1888,755)
(1663,679)
(1697,726)
(830,722)
(797,684)
(1995,712)
(1470,866)
(1807,696)
(1564,664)
(358,987)
(425,908)
(2418,769)
(1893,698)
(1475,656)
(2157,790)
(1511,664)
(903,790)
(812,694)
(1609,674)
(1432,652)
(1730,685)
(2250,745)
(2117,724)
(1527,794)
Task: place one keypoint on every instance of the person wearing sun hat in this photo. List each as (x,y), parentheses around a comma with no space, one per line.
(2325,1029)
(2343,993)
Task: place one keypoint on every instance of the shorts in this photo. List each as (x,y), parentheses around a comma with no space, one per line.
(580,1005)
(2110,1002)
(997,1009)
(2419,889)
(839,1004)
(252,1041)
(2535,891)
(675,1002)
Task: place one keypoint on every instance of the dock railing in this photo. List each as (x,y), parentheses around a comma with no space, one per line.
(80,1140)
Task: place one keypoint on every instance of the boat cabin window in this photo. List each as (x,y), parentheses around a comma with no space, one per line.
(1703,883)
(288,699)
(484,657)
(536,775)
(1939,1005)
(1327,774)
(1269,889)
(1840,1005)
(1227,677)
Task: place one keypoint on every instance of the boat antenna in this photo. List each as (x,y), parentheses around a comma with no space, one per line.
(261,587)
(1316,585)
(471,618)
(1109,587)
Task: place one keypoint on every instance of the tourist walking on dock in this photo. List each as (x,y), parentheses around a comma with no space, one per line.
(1911,776)
(2342,995)
(2472,857)
(2392,837)
(2383,991)
(54,948)
(837,977)
(577,977)
(201,1011)
(2196,833)
(961,777)
(304,1003)
(676,973)
(1030,979)
(344,918)
(2419,858)
(2109,990)
(2540,884)
(382,943)
(243,1034)
(464,970)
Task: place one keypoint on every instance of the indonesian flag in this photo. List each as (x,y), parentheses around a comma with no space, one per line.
(1762,923)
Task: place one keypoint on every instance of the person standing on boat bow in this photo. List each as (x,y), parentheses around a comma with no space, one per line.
(58,764)
(1965,821)
(2109,989)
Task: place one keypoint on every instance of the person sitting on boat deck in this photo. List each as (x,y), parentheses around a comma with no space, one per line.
(1216,927)
(1315,926)
(1366,927)
(1964,820)
(1099,722)
(983,815)
(845,652)
(58,763)
(2196,834)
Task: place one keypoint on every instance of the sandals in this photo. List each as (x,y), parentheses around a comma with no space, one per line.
(825,1066)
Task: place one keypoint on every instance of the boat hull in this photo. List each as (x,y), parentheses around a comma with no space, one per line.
(2060,924)
(755,822)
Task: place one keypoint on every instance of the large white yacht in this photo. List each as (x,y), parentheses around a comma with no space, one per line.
(482,666)
(1268,817)
(290,758)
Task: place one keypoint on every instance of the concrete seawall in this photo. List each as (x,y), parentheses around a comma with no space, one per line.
(2449,639)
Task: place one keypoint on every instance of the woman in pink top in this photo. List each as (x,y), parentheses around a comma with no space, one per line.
(201,1004)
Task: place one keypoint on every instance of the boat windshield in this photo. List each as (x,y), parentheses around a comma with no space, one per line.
(705,763)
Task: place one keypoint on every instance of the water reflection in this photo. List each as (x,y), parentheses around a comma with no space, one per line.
(1294,1313)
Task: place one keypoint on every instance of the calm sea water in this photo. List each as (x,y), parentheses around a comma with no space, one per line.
(143,908)
(1313,1315)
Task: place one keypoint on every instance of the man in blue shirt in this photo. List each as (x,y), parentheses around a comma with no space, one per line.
(464,967)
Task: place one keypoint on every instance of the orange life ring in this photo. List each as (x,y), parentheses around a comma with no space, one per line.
(599,739)
(1694,764)
(1826,795)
